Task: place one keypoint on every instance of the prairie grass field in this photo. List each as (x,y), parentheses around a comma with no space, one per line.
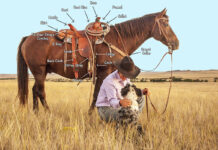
(190,121)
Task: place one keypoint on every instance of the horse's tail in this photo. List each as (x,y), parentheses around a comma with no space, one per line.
(22,76)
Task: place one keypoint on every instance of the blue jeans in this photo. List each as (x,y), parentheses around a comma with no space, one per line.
(108,113)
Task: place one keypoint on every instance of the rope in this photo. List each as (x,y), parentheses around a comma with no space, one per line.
(151,103)
(97,33)
(171,78)
(93,59)
(146,105)
(157,21)
(169,91)
(157,64)
(93,68)
(104,32)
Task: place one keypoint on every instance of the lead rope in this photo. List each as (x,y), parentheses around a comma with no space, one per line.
(171,78)
(157,21)
(152,70)
(147,97)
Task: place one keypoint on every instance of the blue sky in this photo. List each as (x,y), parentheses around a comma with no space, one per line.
(194,22)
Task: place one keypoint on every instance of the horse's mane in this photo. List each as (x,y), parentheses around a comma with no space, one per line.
(126,28)
(138,24)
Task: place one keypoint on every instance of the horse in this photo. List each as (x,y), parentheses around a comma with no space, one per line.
(127,36)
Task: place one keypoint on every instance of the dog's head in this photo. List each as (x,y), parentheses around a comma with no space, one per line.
(131,92)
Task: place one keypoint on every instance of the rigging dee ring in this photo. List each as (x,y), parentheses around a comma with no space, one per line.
(105,26)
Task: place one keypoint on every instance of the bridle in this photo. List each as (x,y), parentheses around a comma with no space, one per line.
(161,31)
(170,51)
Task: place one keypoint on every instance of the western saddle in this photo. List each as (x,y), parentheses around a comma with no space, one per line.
(81,41)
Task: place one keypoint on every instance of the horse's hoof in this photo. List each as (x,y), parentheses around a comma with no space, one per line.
(90,111)
(47,110)
(36,111)
(140,130)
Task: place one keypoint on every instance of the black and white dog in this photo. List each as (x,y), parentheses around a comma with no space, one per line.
(129,115)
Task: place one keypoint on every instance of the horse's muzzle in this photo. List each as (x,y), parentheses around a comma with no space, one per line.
(173,45)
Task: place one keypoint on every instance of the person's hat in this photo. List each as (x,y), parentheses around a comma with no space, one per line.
(127,67)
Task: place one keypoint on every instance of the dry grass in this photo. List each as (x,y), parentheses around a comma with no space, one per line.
(190,121)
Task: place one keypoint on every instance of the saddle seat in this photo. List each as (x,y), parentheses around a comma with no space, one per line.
(77,39)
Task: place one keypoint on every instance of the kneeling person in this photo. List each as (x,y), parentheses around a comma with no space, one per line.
(110,100)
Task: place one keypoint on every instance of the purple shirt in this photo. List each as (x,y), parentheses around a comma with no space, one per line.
(110,91)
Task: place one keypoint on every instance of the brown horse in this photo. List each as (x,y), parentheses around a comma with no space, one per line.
(34,54)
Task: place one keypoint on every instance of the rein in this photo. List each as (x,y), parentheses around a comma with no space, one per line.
(147,97)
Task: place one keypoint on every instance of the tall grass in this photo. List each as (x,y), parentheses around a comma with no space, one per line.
(190,122)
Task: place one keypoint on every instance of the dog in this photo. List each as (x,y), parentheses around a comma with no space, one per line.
(129,115)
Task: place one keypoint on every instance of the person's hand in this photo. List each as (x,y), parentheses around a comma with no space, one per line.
(125,102)
(145,91)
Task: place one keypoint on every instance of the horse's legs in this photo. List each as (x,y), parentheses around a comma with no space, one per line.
(41,94)
(35,99)
(96,90)
(39,87)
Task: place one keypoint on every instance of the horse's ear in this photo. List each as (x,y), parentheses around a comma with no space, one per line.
(162,13)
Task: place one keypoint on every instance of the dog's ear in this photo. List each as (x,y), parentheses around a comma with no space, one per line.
(133,85)
(125,90)
(137,90)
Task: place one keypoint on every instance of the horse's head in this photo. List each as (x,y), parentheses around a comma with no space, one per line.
(162,31)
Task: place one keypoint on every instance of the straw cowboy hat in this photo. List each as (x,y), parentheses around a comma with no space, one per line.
(127,67)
